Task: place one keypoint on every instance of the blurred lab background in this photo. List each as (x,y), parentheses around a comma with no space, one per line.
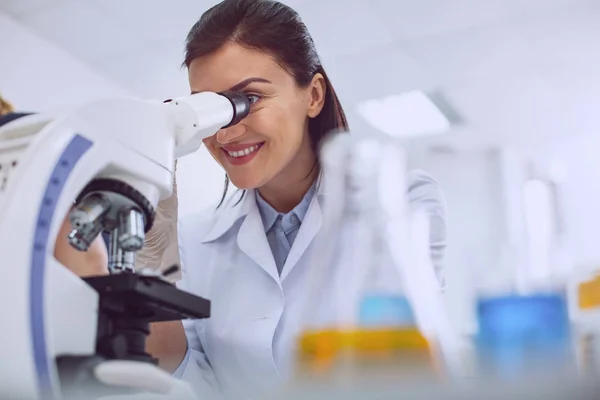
(497,99)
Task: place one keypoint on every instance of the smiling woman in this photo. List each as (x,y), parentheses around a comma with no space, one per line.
(272,148)
(293,102)
(251,256)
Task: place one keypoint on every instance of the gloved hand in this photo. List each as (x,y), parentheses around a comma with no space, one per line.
(148,381)
(160,249)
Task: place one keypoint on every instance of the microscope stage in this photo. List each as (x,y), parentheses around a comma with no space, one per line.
(147,297)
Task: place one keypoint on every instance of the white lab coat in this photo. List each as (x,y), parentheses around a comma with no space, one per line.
(246,346)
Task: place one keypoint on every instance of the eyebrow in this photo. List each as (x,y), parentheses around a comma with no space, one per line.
(240,85)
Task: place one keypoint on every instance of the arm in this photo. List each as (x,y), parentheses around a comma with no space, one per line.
(176,344)
(167,340)
(167,343)
(161,249)
(194,366)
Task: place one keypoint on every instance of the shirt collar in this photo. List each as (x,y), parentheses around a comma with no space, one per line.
(235,209)
(269,214)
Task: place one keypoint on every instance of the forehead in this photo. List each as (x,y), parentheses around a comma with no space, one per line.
(232,64)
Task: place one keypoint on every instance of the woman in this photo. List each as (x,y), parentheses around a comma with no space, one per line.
(250,257)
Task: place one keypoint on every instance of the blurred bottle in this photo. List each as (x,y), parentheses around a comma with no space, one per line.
(524,329)
(360,324)
(524,336)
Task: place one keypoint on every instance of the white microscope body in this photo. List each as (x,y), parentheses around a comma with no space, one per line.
(122,153)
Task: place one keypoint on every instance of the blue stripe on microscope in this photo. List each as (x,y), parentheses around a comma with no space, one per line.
(63,168)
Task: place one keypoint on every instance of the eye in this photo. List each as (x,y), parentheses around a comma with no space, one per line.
(253,98)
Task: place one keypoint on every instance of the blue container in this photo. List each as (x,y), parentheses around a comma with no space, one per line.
(385,310)
(520,335)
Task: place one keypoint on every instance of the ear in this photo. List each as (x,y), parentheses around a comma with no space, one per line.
(317,90)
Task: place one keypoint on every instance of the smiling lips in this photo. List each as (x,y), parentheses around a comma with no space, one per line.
(242,153)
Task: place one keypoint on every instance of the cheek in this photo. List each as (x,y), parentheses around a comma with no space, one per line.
(213,148)
(283,128)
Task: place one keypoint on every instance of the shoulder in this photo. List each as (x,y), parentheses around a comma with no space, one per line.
(191,229)
(201,228)
(201,237)
(198,223)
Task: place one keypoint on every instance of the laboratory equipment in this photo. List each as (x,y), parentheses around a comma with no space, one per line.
(584,293)
(105,165)
(362,321)
(524,329)
(343,350)
(521,336)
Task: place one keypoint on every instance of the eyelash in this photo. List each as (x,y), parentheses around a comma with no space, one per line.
(250,95)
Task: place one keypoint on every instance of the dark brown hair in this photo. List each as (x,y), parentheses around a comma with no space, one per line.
(277,30)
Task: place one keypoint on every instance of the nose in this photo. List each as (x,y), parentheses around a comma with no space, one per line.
(230,134)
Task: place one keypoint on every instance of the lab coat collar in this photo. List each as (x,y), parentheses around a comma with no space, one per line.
(255,245)
(230,212)
(269,215)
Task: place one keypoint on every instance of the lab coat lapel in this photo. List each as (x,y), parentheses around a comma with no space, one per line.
(226,217)
(308,230)
(252,240)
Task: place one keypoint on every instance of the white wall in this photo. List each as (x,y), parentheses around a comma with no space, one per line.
(579,156)
(38,76)
(200,182)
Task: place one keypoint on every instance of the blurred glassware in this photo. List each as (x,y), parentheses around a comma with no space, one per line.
(360,322)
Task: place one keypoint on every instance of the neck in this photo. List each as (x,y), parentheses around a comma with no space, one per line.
(287,190)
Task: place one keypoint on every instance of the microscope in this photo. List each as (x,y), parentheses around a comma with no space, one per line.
(105,166)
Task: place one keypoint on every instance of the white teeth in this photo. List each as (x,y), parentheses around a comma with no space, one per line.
(244,152)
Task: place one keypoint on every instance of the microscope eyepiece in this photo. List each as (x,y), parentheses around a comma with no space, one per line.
(241,106)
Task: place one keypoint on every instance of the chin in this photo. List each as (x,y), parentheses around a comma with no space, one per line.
(245,182)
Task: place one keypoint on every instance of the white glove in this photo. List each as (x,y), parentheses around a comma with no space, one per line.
(149,381)
(161,249)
